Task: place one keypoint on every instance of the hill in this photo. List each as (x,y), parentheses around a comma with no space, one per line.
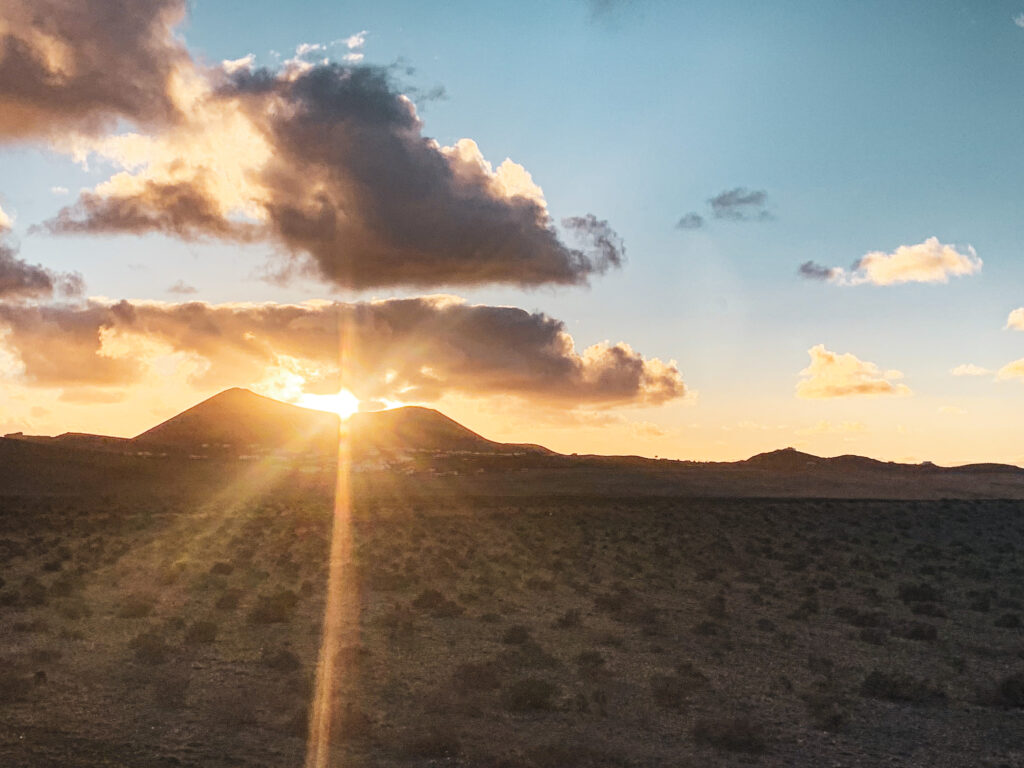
(240,421)
(413,428)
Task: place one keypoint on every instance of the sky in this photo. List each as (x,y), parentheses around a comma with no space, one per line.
(694,231)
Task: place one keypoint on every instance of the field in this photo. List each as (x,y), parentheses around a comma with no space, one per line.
(180,624)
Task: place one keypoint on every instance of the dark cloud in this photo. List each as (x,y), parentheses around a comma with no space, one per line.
(740,204)
(185,210)
(21,280)
(358,196)
(814,271)
(79,65)
(399,349)
(690,221)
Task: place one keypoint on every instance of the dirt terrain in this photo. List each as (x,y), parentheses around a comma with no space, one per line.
(173,618)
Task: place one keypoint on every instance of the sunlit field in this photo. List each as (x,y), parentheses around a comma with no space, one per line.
(154,626)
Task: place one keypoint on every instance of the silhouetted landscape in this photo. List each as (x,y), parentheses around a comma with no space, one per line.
(163,600)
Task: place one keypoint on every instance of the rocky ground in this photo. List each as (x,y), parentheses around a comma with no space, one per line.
(163,628)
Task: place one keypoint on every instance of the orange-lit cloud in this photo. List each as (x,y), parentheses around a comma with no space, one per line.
(327,161)
(1014,370)
(1016,320)
(407,350)
(81,65)
(927,262)
(833,375)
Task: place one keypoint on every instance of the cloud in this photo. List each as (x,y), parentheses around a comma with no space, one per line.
(59,190)
(1015,320)
(21,280)
(182,288)
(1014,370)
(329,162)
(952,410)
(690,221)
(927,262)
(814,271)
(408,350)
(231,66)
(740,204)
(832,375)
(1019,20)
(970,369)
(356,41)
(80,66)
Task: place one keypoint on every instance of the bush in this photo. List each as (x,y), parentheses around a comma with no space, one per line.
(229,600)
(437,604)
(434,744)
(201,632)
(135,607)
(738,734)
(13,687)
(476,677)
(918,630)
(1008,621)
(570,618)
(1009,691)
(899,687)
(274,609)
(529,694)
(919,593)
(517,634)
(150,648)
(282,660)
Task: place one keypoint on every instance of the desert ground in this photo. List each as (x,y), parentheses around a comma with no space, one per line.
(175,620)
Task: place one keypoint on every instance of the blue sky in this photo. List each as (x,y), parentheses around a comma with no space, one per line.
(868,126)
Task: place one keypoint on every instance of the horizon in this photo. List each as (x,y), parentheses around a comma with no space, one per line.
(524,440)
(742,256)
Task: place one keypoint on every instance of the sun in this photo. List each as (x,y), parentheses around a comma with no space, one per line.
(343,403)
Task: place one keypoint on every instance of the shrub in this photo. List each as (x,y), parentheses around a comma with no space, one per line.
(1008,621)
(737,734)
(274,609)
(229,600)
(1009,692)
(570,618)
(282,660)
(150,648)
(201,632)
(135,607)
(476,677)
(529,694)
(918,630)
(13,687)
(590,663)
(437,604)
(433,744)
(919,593)
(222,568)
(899,687)
(517,634)
(827,711)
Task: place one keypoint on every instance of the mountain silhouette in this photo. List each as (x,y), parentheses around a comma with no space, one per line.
(240,421)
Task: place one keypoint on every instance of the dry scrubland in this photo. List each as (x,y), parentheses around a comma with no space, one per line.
(154,629)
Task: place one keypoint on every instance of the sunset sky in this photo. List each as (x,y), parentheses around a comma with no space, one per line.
(693,230)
